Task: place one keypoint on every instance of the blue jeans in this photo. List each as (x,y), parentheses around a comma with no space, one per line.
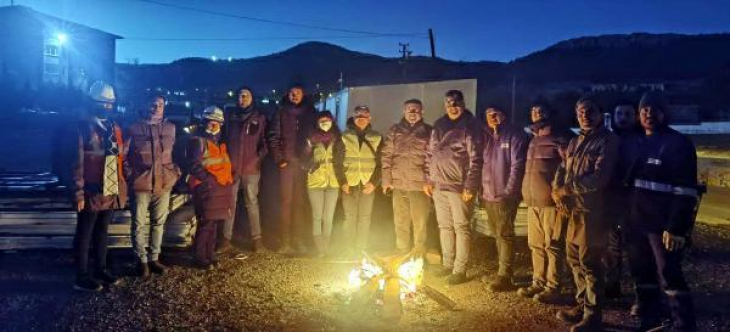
(324,202)
(248,185)
(158,206)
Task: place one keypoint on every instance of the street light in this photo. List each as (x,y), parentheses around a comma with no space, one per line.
(62,38)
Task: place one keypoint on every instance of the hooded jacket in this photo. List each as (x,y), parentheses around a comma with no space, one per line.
(245,132)
(290,126)
(403,157)
(544,155)
(453,157)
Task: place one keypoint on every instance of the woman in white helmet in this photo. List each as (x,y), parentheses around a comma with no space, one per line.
(210,182)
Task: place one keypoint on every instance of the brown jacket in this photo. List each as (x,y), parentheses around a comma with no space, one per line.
(585,174)
(88,167)
(403,157)
(150,157)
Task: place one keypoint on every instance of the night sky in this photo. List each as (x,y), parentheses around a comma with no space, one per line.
(465,30)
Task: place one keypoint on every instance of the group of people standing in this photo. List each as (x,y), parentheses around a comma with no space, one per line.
(588,195)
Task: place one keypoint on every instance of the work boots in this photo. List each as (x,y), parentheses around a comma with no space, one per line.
(259,247)
(572,315)
(157,267)
(143,270)
(589,323)
(683,315)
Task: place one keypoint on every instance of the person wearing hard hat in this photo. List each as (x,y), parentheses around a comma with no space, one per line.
(99,187)
(152,176)
(210,181)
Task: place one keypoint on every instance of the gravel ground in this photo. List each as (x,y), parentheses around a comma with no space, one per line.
(270,292)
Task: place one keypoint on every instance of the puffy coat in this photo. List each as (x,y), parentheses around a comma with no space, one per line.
(151,168)
(212,199)
(454,154)
(403,158)
(547,145)
(586,172)
(245,131)
(504,163)
(290,126)
(88,166)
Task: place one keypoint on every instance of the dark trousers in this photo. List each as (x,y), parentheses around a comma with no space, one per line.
(586,242)
(293,209)
(205,239)
(91,226)
(654,268)
(614,257)
(501,221)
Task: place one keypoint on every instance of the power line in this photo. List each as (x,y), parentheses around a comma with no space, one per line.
(263,20)
(163,39)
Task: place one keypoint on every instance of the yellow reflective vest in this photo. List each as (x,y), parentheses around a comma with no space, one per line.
(323,173)
(360,159)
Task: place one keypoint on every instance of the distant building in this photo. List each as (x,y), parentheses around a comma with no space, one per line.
(37,49)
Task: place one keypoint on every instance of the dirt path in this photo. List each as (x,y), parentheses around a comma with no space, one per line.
(274,293)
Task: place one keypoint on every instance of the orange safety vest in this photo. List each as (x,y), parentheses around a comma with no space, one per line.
(94,159)
(217,162)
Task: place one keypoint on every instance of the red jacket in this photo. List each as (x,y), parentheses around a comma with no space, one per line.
(88,167)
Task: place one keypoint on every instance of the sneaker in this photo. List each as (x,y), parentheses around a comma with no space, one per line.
(259,247)
(201,264)
(224,247)
(285,250)
(143,270)
(572,315)
(456,278)
(635,310)
(548,296)
(530,291)
(86,284)
(590,323)
(443,271)
(157,267)
(501,284)
(106,278)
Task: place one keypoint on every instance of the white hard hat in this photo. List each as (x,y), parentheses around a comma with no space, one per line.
(102,92)
(213,113)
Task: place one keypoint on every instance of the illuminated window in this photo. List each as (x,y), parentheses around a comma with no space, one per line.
(51,50)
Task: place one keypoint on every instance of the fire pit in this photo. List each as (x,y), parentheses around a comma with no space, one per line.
(388,283)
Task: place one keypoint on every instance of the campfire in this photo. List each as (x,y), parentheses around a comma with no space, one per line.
(388,283)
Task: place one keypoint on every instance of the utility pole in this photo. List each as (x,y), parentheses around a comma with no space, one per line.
(514,97)
(404,51)
(433,43)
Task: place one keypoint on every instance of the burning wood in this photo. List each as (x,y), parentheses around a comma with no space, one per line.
(390,282)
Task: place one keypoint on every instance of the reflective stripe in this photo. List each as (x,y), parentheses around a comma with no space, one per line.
(665,188)
(213,161)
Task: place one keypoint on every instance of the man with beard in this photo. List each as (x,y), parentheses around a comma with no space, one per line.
(664,176)
(152,176)
(579,190)
(290,126)
(404,173)
(453,165)
(545,231)
(245,129)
